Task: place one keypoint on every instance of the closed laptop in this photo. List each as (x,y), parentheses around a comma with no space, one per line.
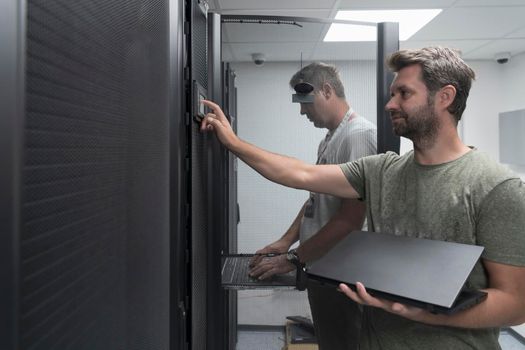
(425,273)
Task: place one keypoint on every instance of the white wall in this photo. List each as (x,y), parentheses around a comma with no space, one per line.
(480,119)
(268,118)
(498,88)
(513,97)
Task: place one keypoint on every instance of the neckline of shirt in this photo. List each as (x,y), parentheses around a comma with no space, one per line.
(434,166)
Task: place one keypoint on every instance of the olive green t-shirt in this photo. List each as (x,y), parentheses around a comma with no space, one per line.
(471,200)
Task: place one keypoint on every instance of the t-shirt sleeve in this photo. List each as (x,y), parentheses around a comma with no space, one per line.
(364,169)
(353,172)
(501,223)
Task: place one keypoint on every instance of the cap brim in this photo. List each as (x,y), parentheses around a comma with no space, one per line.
(302,98)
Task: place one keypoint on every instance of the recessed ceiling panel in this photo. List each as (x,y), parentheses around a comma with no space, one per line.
(519,33)
(389,4)
(275,4)
(274,52)
(255,32)
(344,51)
(479,28)
(472,23)
(479,3)
(514,46)
(464,46)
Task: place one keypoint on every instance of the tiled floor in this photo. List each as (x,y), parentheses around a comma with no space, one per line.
(510,342)
(260,340)
(274,340)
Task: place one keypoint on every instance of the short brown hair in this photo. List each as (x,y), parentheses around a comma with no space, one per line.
(317,74)
(440,67)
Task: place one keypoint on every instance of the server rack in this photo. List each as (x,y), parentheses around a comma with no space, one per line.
(196,72)
(208,193)
(85,177)
(12,37)
(230,245)
(217,297)
(179,180)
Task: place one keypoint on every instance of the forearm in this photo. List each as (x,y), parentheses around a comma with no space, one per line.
(291,172)
(292,234)
(283,170)
(504,306)
(499,310)
(350,217)
(321,242)
(275,167)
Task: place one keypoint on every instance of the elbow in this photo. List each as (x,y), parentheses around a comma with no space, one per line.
(297,183)
(516,323)
(519,320)
(302,179)
(296,177)
(519,316)
(288,179)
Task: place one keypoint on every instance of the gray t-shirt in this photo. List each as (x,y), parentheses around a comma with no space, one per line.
(470,200)
(352,139)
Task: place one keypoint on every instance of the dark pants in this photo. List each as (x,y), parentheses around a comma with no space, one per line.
(337,319)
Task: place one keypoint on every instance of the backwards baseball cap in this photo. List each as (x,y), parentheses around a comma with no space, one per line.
(303,93)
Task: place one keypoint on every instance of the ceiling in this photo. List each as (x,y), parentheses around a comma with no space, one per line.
(479,28)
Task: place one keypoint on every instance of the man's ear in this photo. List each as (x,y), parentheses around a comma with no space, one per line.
(446,96)
(327,90)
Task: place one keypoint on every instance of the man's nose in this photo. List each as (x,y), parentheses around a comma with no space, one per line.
(391,105)
(303,109)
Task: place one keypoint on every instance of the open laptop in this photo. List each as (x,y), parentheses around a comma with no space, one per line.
(420,272)
(234,275)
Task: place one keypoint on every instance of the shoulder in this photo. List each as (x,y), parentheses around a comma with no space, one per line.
(486,170)
(390,158)
(382,160)
(358,131)
(510,189)
(360,125)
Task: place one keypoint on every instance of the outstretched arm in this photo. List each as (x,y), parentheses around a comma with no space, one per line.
(283,170)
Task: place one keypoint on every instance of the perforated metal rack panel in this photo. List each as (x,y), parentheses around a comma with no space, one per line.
(199,230)
(199,43)
(200,215)
(95,242)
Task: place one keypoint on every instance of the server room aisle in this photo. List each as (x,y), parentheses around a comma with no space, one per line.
(274,340)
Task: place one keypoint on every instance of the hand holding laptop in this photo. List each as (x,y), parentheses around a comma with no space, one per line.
(385,263)
(362,297)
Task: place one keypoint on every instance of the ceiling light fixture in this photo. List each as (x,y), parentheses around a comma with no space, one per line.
(410,21)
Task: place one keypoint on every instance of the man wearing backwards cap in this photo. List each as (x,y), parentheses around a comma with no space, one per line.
(324,220)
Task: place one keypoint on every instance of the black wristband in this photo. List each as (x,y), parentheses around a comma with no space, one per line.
(292,257)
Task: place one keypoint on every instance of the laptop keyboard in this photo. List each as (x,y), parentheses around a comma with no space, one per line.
(235,274)
(236,271)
